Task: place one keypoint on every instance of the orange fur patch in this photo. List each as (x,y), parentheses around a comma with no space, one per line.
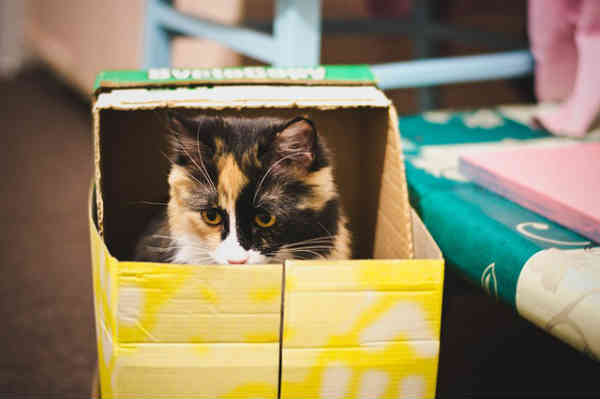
(231,181)
(182,220)
(219,147)
(250,158)
(323,189)
(180,185)
(342,246)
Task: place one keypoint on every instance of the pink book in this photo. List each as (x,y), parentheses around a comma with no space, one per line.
(559,182)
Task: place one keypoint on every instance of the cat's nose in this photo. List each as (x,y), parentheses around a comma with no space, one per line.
(237,261)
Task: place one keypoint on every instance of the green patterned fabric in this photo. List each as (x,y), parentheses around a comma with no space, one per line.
(483,236)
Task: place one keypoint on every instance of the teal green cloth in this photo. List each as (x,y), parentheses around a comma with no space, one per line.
(483,236)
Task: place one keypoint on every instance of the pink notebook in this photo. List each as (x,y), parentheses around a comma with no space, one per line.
(560,182)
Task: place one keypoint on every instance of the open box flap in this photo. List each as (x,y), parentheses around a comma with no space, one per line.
(424,246)
(235,96)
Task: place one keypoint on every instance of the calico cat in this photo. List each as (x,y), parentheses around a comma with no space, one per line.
(247,191)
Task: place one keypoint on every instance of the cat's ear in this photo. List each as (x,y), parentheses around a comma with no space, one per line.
(186,140)
(296,142)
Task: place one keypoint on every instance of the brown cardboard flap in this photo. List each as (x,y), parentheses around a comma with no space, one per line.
(219,97)
(424,245)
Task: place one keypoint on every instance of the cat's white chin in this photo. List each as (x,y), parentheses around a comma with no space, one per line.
(190,257)
(231,252)
(191,251)
(224,255)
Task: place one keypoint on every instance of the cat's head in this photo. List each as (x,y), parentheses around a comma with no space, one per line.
(250,190)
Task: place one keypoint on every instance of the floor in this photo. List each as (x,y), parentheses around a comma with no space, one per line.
(47,344)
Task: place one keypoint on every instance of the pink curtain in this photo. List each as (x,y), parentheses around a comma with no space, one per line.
(565,40)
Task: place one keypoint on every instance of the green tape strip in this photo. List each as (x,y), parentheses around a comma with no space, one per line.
(165,76)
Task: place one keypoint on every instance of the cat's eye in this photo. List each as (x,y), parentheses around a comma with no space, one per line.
(264,220)
(212,216)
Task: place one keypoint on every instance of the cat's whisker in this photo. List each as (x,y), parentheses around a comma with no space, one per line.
(185,171)
(317,240)
(161,249)
(311,250)
(187,245)
(259,186)
(205,171)
(323,227)
(201,169)
(163,236)
(171,247)
(316,254)
(209,261)
(312,247)
(152,203)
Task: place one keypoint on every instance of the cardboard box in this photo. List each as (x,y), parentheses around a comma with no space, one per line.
(368,327)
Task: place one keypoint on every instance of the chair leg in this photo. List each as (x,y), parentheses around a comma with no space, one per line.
(297,32)
(424,48)
(157,40)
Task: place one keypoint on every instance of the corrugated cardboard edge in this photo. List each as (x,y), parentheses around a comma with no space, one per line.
(95,392)
(395,136)
(424,244)
(393,231)
(247,105)
(107,85)
(97,173)
(237,97)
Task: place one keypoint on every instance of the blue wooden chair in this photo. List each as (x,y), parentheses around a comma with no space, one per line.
(296,41)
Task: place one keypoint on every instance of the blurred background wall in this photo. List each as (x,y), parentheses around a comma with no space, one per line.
(12,44)
(79,38)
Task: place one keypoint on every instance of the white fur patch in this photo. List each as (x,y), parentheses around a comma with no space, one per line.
(191,250)
(231,251)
